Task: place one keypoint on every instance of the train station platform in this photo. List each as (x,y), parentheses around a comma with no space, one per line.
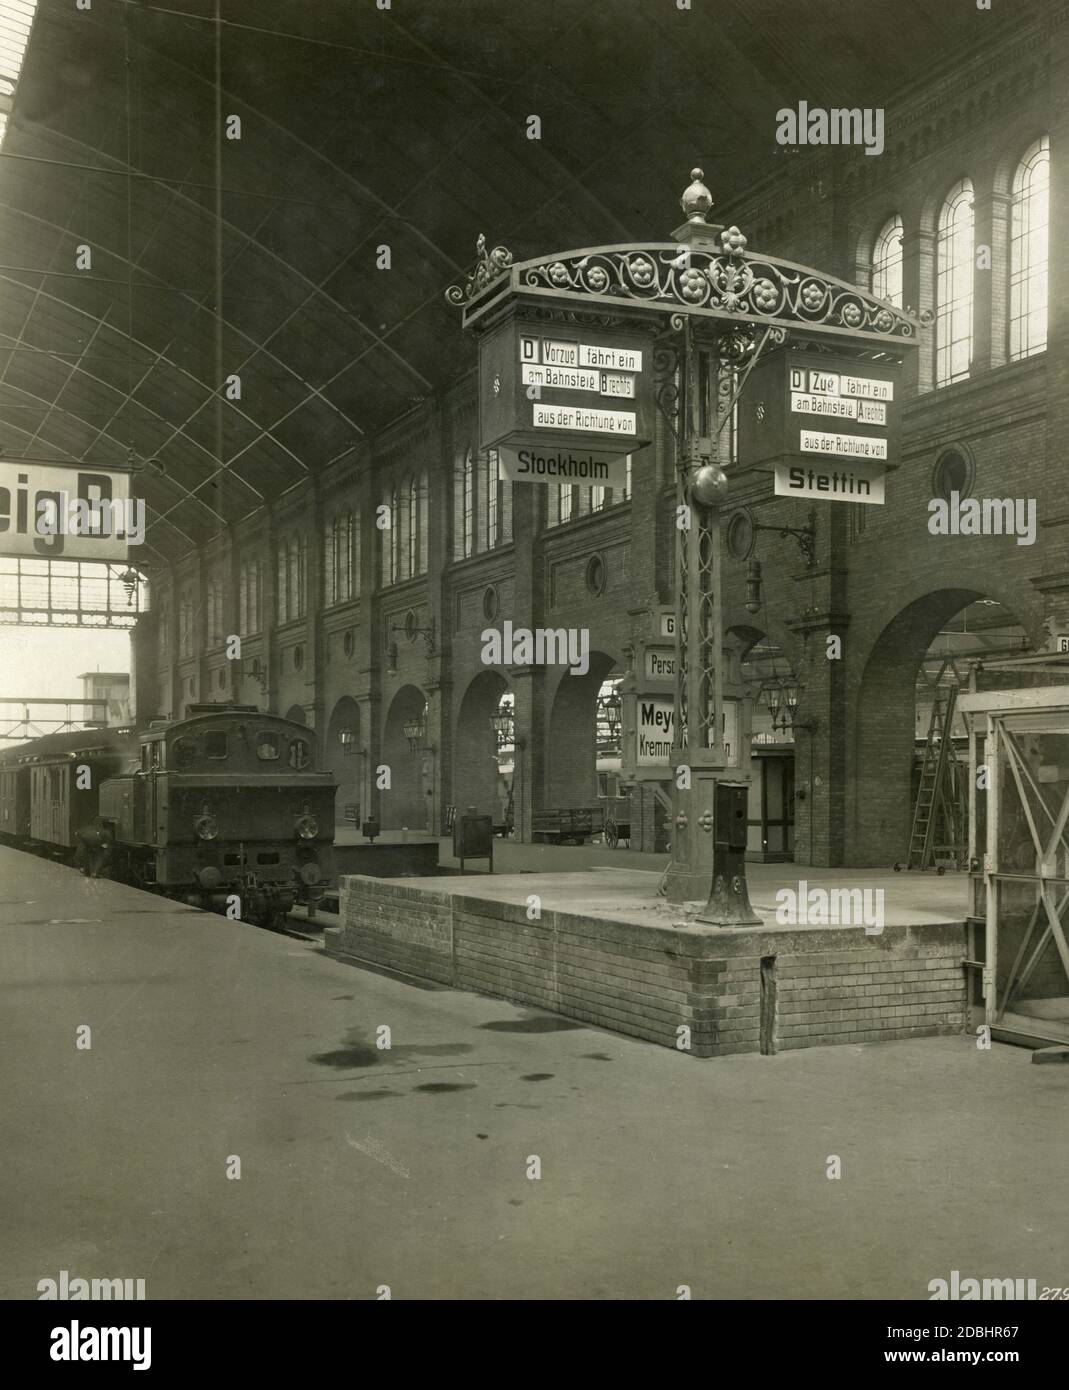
(837,955)
(361,1167)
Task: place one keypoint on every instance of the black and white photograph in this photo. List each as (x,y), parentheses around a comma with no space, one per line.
(534,667)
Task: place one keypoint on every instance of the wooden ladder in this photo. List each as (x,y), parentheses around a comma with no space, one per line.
(938,770)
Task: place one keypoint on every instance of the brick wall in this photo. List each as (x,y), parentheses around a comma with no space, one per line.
(830,985)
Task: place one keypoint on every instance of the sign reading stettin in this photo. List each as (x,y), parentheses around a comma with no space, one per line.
(827,424)
(564,404)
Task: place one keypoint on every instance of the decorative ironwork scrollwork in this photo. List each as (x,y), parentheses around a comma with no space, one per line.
(489,266)
(757,288)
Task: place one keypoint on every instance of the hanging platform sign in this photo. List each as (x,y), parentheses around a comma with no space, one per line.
(564,403)
(826,423)
(56,512)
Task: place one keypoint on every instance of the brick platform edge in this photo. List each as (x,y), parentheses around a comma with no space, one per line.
(737,990)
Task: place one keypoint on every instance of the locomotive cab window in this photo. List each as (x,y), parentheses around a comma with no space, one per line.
(185,752)
(215,744)
(300,755)
(267,746)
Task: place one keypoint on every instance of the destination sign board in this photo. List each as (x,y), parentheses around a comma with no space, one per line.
(659,665)
(655,731)
(830,482)
(67,513)
(577,392)
(588,467)
(826,424)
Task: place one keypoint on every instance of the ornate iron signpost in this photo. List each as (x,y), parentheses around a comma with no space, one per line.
(708,309)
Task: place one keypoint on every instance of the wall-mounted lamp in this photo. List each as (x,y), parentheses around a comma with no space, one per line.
(129,580)
(415,729)
(742,532)
(753,586)
(412,631)
(780,694)
(391,658)
(345,738)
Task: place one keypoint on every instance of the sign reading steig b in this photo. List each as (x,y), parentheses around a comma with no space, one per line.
(69,513)
(564,404)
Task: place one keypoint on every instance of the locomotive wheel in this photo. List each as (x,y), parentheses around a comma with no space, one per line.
(897,867)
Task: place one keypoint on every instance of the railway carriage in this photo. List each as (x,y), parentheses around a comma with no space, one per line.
(49,787)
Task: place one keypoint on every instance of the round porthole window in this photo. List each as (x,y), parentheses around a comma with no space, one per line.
(298,657)
(347,643)
(490,603)
(954,472)
(410,625)
(595,574)
(740,535)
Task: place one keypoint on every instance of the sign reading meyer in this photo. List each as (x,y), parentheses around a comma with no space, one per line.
(564,404)
(77,514)
(655,731)
(826,423)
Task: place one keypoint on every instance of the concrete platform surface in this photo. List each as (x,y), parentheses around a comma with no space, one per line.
(624,893)
(408,1167)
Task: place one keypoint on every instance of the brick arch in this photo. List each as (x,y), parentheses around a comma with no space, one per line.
(884,723)
(405,803)
(475,767)
(938,194)
(866,241)
(571,734)
(347,767)
(1012,148)
(297,715)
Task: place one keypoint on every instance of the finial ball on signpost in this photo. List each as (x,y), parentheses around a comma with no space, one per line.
(696,200)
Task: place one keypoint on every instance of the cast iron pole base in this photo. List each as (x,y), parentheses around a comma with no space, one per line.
(729,902)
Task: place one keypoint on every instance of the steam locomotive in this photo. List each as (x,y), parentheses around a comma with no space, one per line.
(222,809)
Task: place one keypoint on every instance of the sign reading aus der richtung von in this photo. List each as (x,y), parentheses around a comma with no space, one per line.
(564,404)
(827,424)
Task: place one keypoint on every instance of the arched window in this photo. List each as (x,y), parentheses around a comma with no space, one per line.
(954,286)
(886,270)
(291,565)
(1029,245)
(488,488)
(391,537)
(341,558)
(464,506)
(423,498)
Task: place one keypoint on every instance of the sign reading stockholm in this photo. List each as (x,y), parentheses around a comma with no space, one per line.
(564,405)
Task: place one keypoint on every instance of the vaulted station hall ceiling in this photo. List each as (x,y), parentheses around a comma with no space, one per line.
(359,127)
